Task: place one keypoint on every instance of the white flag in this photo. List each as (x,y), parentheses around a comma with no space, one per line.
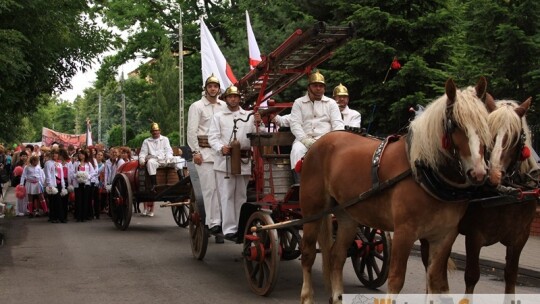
(254,52)
(88,133)
(213,61)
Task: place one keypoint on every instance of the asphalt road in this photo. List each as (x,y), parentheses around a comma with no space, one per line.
(151,262)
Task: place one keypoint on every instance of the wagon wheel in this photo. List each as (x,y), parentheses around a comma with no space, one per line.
(371,256)
(289,240)
(180,214)
(198,236)
(121,201)
(261,254)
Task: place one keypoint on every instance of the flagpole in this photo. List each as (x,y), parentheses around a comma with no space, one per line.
(99,118)
(181,80)
(123,110)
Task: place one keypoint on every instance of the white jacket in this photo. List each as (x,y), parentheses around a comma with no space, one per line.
(199,117)
(220,134)
(314,119)
(158,148)
(351,117)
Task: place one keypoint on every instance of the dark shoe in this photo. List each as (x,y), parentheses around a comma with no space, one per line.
(231,236)
(219,239)
(63,221)
(215,230)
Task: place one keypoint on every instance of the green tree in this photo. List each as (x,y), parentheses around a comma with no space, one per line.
(503,40)
(115,135)
(42,45)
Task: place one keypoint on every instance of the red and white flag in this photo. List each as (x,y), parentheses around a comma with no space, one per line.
(254,52)
(88,133)
(213,61)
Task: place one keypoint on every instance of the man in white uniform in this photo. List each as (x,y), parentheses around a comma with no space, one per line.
(156,152)
(199,117)
(351,117)
(312,116)
(233,189)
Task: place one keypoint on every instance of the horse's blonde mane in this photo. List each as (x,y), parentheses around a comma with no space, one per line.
(505,121)
(427,129)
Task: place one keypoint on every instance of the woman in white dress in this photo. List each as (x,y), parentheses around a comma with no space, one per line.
(33,178)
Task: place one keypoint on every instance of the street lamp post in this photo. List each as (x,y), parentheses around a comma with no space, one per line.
(181,80)
(123,110)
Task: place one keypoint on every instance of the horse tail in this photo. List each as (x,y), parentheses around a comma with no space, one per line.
(325,244)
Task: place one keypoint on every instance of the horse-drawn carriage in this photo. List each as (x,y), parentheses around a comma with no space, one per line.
(273,197)
(132,186)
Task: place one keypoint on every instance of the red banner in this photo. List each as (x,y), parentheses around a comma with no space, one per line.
(50,137)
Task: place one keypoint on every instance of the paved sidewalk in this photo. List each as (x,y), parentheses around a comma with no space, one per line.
(494,255)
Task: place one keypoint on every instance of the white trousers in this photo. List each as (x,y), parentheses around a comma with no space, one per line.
(153,163)
(233,194)
(207,176)
(298,151)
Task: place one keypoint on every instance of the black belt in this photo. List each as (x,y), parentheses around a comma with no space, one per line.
(245,153)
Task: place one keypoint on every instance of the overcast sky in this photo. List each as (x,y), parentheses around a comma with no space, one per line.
(85,80)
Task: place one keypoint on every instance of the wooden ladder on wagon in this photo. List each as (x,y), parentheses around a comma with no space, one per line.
(296,57)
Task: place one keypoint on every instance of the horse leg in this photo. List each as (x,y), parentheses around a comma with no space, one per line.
(401,248)
(513,252)
(346,231)
(473,245)
(439,253)
(309,252)
(424,252)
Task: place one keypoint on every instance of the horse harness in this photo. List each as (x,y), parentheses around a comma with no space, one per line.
(376,188)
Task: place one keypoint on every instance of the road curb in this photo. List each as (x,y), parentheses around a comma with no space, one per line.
(489,264)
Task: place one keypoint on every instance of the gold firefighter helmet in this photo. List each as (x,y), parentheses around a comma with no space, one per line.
(211,79)
(316,77)
(154,127)
(341,90)
(232,90)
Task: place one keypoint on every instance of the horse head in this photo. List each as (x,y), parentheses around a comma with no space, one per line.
(510,136)
(458,120)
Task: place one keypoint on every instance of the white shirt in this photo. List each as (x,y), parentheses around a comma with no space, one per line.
(33,174)
(199,117)
(221,134)
(314,119)
(52,170)
(351,117)
(88,168)
(159,148)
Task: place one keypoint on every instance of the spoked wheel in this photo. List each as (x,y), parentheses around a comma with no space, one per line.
(371,256)
(121,206)
(261,254)
(289,240)
(198,235)
(180,214)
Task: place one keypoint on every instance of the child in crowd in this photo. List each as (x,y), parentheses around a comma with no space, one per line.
(33,178)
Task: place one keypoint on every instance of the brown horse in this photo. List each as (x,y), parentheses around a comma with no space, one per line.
(337,169)
(508,224)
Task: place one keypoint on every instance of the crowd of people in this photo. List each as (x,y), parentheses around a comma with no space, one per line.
(57,181)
